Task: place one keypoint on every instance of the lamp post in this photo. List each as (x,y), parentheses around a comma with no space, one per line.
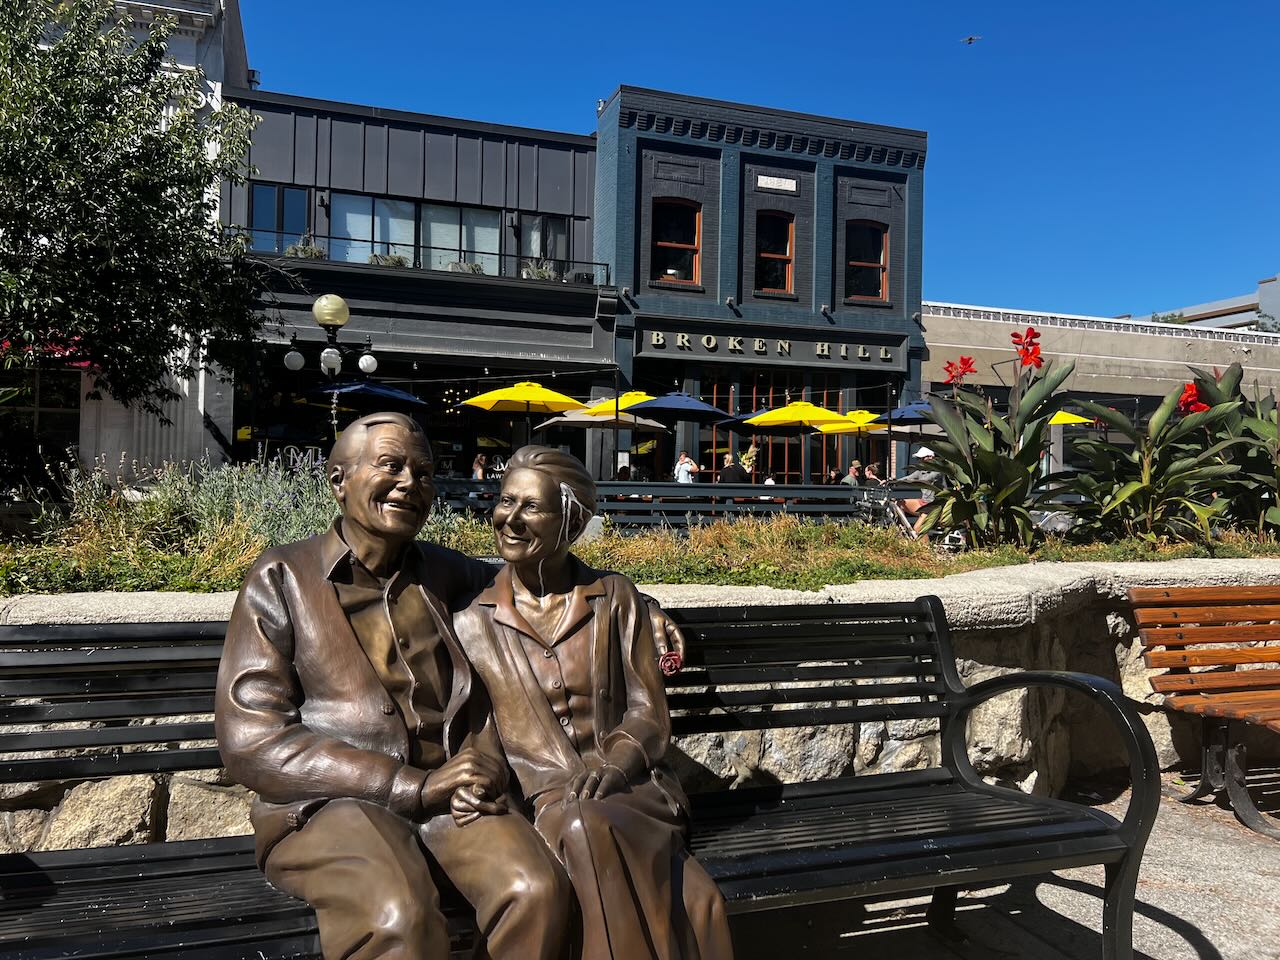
(331,313)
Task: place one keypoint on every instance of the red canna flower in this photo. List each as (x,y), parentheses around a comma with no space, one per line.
(1027,339)
(1190,401)
(1030,356)
(956,372)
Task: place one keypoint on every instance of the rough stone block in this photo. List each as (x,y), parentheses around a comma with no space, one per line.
(110,813)
(21,830)
(197,810)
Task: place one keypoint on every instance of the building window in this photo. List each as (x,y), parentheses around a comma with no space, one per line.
(277,217)
(677,242)
(544,237)
(371,229)
(775,251)
(40,422)
(464,239)
(866,253)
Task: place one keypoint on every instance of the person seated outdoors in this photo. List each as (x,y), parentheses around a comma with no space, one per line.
(852,478)
(686,468)
(871,476)
(733,472)
(914,506)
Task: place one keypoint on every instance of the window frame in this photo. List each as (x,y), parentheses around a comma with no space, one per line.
(882,266)
(789,257)
(655,244)
(277,230)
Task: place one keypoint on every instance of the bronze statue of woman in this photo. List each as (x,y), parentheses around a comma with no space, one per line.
(569,659)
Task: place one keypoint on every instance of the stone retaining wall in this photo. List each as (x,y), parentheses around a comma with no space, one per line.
(1037,616)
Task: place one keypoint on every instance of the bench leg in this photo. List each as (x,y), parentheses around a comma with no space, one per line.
(1117,909)
(942,914)
(1238,790)
(1213,750)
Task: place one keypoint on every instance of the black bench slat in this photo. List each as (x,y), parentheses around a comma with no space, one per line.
(82,634)
(800,613)
(971,867)
(97,657)
(876,820)
(96,685)
(105,736)
(801,653)
(145,942)
(126,709)
(849,633)
(113,764)
(19,870)
(706,700)
(728,802)
(701,675)
(783,719)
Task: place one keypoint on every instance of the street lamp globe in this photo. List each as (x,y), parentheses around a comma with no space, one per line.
(330,360)
(368,363)
(331,311)
(293,360)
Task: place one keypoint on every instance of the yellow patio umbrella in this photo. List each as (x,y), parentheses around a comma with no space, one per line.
(525,397)
(606,408)
(858,421)
(1062,418)
(798,413)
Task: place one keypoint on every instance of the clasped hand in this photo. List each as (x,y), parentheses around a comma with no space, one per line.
(469,784)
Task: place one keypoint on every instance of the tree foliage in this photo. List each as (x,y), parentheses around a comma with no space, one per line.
(111,252)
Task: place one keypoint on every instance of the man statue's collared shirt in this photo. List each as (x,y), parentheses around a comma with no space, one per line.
(400,636)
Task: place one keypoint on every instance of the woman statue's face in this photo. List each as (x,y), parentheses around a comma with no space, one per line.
(528,520)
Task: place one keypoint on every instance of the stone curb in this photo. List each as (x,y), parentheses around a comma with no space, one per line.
(996,598)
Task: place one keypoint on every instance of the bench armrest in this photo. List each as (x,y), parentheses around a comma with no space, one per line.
(1144,767)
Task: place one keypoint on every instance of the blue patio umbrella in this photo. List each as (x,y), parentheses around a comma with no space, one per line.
(368,390)
(677,406)
(909,415)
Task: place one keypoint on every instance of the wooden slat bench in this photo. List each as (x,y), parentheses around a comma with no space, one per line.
(749,668)
(1221,649)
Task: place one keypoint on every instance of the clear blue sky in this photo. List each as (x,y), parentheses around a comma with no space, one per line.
(1084,157)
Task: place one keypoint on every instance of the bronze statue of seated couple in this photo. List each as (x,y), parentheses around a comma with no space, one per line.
(410,716)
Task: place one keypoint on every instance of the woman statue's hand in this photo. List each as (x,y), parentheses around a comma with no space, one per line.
(596,782)
(468,805)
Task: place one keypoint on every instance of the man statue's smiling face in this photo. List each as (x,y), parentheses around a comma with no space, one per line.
(387,490)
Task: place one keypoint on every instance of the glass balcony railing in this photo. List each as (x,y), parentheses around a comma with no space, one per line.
(384,253)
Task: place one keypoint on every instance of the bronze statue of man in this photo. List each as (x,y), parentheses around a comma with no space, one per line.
(345,702)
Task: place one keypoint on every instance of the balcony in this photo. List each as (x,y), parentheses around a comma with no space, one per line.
(406,256)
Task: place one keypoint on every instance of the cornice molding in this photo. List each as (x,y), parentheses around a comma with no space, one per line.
(192,18)
(775,138)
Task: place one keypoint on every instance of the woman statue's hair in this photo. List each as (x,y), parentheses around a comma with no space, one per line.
(577,489)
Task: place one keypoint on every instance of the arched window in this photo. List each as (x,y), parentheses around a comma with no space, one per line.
(866,256)
(775,251)
(675,256)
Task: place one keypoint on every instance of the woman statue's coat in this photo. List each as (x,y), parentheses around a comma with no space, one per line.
(593,692)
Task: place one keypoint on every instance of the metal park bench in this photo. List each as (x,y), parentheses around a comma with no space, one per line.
(88,702)
(640,505)
(1221,646)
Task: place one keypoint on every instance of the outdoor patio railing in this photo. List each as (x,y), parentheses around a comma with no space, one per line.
(386,253)
(678,504)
